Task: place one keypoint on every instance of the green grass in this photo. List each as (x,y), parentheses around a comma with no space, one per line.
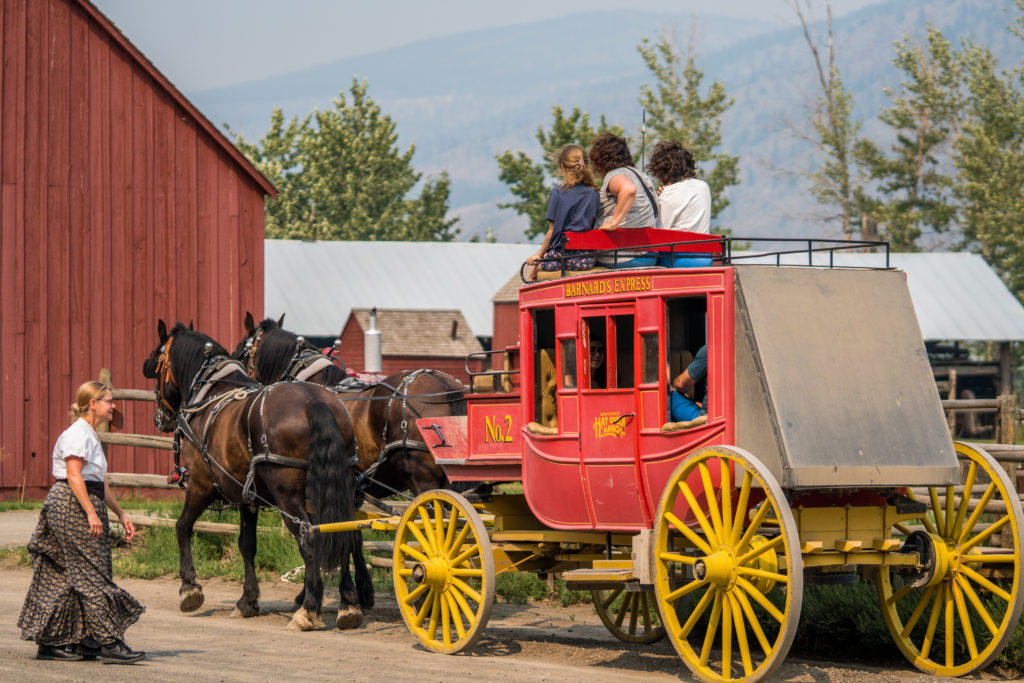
(6,505)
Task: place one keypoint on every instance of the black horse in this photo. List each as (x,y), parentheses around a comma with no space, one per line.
(286,446)
(392,455)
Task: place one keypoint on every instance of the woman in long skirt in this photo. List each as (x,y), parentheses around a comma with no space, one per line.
(73,609)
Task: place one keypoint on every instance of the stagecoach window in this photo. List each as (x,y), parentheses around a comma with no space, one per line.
(568,363)
(649,348)
(623,350)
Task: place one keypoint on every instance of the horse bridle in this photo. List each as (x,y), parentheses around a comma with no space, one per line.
(249,354)
(164,375)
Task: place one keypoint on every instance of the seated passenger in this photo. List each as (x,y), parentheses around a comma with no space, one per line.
(598,371)
(683,200)
(681,408)
(572,207)
(627,197)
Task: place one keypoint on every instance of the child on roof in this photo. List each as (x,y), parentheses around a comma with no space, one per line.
(572,207)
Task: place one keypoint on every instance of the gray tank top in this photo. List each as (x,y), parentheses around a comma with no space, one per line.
(641,214)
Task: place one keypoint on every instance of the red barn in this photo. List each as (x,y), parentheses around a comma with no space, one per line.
(412,339)
(120,204)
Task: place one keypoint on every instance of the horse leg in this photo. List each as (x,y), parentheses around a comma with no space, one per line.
(190,595)
(364,581)
(350,614)
(249,604)
(310,615)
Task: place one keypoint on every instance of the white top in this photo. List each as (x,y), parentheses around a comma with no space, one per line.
(80,440)
(686,205)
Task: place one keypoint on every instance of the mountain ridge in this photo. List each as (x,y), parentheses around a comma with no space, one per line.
(463,99)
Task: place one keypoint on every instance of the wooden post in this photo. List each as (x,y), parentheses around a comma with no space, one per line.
(105,378)
(951,416)
(1006,432)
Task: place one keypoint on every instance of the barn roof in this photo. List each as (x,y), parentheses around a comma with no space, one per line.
(182,101)
(421,332)
(318,283)
(956,295)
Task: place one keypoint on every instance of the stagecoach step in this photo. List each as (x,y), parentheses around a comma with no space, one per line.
(604,575)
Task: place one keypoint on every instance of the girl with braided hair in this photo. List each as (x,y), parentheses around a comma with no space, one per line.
(572,207)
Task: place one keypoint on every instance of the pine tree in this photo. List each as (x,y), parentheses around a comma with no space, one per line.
(914,180)
(341,176)
(677,111)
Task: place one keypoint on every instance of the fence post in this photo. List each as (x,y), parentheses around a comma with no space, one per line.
(106,378)
(1006,432)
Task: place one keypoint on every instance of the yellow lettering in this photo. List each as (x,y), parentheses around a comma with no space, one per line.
(508,429)
(492,431)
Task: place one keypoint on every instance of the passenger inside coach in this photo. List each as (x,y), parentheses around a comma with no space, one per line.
(598,369)
(687,389)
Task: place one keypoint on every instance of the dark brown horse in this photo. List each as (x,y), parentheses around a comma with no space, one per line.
(285,446)
(392,455)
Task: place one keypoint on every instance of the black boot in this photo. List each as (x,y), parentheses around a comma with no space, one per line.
(59,652)
(118,652)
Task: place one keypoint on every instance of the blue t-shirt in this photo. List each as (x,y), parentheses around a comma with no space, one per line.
(571,209)
(698,369)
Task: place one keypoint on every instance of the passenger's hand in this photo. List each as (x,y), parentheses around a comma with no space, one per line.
(129,528)
(609,226)
(95,525)
(533,258)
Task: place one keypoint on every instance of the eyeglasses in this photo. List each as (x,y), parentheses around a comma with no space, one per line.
(106,400)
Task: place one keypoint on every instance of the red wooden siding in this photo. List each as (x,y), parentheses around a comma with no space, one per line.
(506,330)
(120,204)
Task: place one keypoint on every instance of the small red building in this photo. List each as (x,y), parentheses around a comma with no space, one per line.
(412,339)
(121,204)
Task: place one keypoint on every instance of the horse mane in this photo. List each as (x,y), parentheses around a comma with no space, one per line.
(275,353)
(188,354)
(276,350)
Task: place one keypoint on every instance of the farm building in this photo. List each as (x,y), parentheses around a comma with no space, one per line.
(412,339)
(121,204)
(317,284)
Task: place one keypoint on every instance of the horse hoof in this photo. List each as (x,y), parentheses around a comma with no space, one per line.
(349,617)
(303,620)
(191,600)
(252,611)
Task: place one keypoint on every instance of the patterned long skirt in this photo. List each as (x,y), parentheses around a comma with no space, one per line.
(73,595)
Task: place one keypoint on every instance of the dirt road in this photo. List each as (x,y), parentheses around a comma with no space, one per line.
(532,642)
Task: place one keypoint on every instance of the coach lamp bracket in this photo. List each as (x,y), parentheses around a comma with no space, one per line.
(440,435)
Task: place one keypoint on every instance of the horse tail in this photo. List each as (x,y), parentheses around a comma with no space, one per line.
(329,481)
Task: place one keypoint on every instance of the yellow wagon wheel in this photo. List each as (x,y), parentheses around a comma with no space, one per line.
(444,571)
(629,616)
(728,569)
(955,617)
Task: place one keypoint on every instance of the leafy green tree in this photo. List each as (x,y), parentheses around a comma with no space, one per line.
(530,182)
(914,180)
(678,111)
(341,176)
(990,160)
(833,131)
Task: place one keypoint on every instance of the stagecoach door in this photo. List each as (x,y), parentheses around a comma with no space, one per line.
(608,425)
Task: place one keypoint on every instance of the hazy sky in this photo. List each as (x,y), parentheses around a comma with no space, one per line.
(201,44)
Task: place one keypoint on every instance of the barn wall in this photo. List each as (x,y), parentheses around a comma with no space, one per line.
(118,208)
(352,345)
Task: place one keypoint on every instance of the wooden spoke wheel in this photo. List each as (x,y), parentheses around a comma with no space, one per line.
(444,571)
(954,617)
(728,569)
(629,616)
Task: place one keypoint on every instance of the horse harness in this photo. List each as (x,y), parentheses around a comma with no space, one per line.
(214,370)
(405,443)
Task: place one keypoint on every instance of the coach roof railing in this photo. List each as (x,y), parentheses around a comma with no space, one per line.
(722,250)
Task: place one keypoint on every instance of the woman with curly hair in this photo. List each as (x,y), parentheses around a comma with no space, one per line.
(572,207)
(73,609)
(627,197)
(684,201)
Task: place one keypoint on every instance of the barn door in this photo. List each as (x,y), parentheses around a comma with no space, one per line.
(609,426)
